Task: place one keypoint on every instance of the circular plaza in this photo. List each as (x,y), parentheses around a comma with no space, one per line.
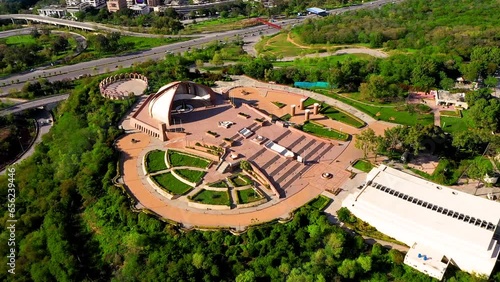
(120,86)
(209,160)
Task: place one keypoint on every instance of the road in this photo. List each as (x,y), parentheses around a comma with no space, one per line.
(33,104)
(43,128)
(106,65)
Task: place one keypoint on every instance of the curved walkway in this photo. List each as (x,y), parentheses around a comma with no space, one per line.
(179,211)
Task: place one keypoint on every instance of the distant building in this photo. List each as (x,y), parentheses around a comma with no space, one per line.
(445,98)
(72,10)
(140,9)
(52,11)
(317,11)
(96,3)
(72,3)
(442,226)
(116,5)
(154,3)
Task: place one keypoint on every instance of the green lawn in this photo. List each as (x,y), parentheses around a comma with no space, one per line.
(279,46)
(20,39)
(454,124)
(219,24)
(212,197)
(310,101)
(219,184)
(335,114)
(363,165)
(321,131)
(390,114)
(247,196)
(241,180)
(279,104)
(312,62)
(171,184)
(141,43)
(177,158)
(320,202)
(191,175)
(286,117)
(155,161)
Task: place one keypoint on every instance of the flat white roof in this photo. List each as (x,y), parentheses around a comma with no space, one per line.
(426,260)
(413,210)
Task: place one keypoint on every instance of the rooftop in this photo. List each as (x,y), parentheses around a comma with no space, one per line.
(456,224)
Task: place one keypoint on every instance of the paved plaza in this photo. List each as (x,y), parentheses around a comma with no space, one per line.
(296,182)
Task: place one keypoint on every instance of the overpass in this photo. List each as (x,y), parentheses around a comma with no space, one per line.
(33,104)
(88,26)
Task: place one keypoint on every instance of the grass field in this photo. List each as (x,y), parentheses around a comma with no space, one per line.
(212,197)
(286,117)
(321,131)
(312,62)
(180,159)
(454,124)
(191,175)
(141,43)
(320,202)
(310,101)
(171,184)
(335,114)
(218,25)
(20,39)
(247,196)
(363,165)
(241,180)
(155,161)
(278,104)
(390,114)
(279,46)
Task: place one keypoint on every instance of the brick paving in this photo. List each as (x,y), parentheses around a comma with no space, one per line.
(298,182)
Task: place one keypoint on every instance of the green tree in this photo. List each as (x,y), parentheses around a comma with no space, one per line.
(366,141)
(247,276)
(217,59)
(491,81)
(349,269)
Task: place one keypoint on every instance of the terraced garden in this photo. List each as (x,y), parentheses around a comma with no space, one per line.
(177,159)
(248,196)
(155,161)
(210,197)
(171,184)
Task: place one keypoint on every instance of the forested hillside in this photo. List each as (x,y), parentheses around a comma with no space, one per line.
(441,25)
(74,225)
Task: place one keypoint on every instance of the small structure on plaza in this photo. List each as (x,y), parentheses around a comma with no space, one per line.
(155,116)
(445,98)
(120,86)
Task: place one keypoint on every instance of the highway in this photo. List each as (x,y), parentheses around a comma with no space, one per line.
(107,65)
(33,104)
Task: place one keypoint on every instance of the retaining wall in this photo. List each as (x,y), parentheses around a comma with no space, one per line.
(158,189)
